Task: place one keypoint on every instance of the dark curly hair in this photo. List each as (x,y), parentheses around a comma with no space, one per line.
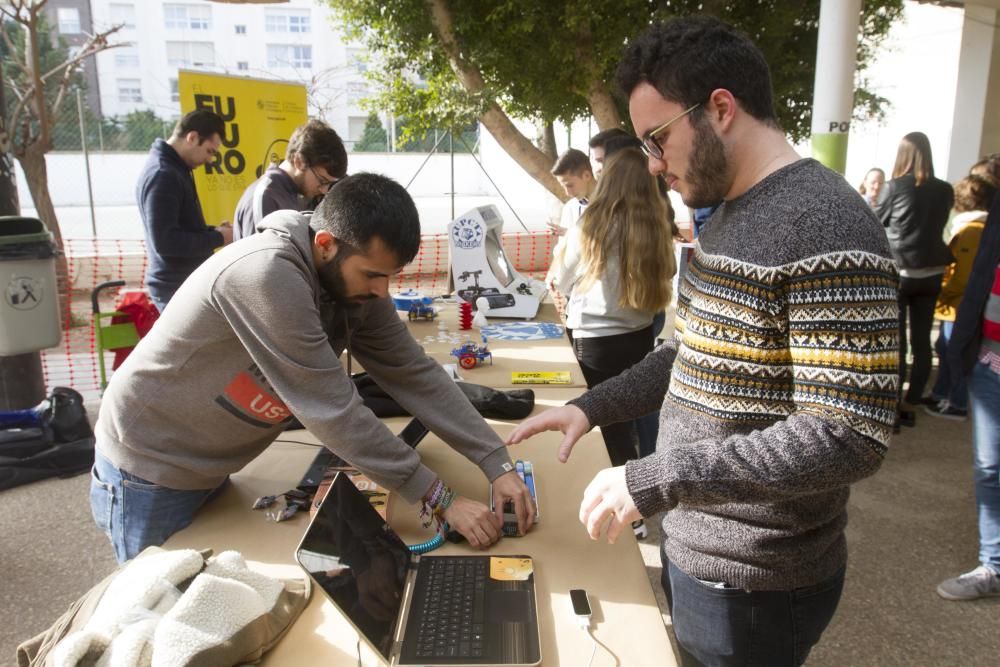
(685,59)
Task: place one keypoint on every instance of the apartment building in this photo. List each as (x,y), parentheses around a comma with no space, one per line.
(293,41)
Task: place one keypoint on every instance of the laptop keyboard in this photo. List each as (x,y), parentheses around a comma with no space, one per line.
(452,623)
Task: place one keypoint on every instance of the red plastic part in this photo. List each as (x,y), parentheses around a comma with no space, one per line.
(464,315)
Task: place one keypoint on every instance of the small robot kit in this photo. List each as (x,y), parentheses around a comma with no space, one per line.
(470,355)
(527,474)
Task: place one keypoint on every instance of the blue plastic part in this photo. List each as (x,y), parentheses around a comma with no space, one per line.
(404,300)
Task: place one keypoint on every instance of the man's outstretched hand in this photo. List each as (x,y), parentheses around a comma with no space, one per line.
(568,419)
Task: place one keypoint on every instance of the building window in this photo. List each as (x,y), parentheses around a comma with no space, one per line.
(356,91)
(293,22)
(129,90)
(123,14)
(69,20)
(241,29)
(242,65)
(175,93)
(187,17)
(190,54)
(126,56)
(289,55)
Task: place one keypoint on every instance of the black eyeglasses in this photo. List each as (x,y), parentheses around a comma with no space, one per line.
(650,146)
(324,183)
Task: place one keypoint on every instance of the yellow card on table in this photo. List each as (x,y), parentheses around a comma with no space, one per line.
(510,569)
(541,377)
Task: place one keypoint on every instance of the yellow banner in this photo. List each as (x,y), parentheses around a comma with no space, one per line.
(260,115)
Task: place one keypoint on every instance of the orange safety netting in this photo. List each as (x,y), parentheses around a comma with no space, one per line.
(93,261)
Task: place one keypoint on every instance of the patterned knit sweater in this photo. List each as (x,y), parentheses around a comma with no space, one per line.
(779,391)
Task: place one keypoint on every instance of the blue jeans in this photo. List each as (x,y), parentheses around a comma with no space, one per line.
(984,397)
(717,625)
(161,296)
(950,384)
(135,513)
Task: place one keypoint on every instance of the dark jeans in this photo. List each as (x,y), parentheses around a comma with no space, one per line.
(717,625)
(603,358)
(647,427)
(950,385)
(917,297)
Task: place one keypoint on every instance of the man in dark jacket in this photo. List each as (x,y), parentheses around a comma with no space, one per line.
(314,161)
(177,238)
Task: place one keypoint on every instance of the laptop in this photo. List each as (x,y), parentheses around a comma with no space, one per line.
(419,610)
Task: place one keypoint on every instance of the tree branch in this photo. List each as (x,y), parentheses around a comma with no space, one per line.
(94,45)
(494,119)
(11,48)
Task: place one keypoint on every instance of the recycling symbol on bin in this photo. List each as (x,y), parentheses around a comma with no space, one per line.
(24,292)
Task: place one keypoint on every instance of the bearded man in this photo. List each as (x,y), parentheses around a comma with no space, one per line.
(252,339)
(780,390)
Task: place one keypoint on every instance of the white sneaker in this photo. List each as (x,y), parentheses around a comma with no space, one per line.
(981,582)
(640,530)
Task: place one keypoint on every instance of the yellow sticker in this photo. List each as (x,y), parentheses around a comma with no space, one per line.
(540,377)
(510,569)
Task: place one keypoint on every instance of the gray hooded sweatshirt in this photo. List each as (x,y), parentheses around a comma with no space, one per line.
(243,347)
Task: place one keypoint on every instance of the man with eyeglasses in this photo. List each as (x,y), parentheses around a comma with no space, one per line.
(177,238)
(314,161)
(779,391)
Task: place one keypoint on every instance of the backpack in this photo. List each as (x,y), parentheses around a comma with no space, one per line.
(58,442)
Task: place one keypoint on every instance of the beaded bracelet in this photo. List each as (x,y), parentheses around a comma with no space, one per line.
(441,497)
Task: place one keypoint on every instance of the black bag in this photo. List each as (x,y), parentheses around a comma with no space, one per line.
(63,446)
(489,402)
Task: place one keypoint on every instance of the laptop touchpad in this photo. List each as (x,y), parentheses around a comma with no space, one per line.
(509,607)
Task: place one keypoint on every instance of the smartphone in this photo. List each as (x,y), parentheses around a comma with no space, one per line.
(581,605)
(413,432)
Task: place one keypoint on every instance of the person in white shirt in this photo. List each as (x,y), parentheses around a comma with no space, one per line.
(576,176)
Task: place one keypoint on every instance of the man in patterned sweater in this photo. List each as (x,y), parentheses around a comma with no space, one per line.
(780,390)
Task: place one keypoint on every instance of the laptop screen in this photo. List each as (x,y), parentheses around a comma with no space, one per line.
(360,563)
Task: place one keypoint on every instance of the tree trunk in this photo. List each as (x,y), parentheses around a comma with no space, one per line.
(602,105)
(9,204)
(519,147)
(546,139)
(36,175)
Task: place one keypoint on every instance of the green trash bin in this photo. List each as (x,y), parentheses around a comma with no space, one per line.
(29,310)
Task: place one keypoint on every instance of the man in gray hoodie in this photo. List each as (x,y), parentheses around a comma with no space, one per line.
(252,339)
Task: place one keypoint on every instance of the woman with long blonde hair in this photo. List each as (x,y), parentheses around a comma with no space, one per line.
(616,266)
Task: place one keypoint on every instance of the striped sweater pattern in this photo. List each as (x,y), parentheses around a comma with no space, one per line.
(817,335)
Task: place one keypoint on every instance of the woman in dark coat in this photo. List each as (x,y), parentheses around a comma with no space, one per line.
(914,208)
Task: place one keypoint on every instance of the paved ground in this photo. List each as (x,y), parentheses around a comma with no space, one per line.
(911,525)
